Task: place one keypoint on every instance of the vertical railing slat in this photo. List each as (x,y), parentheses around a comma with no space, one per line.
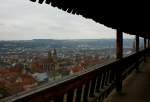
(78,95)
(99,78)
(59,99)
(92,88)
(70,96)
(86,91)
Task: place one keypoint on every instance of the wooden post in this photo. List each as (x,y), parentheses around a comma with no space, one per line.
(145,43)
(148,43)
(145,48)
(137,50)
(137,43)
(119,43)
(119,55)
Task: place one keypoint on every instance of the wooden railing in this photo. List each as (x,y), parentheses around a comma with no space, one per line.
(95,84)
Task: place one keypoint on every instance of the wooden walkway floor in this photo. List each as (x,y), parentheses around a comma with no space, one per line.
(136,88)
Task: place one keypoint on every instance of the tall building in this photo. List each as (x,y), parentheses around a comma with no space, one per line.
(51,65)
(47,65)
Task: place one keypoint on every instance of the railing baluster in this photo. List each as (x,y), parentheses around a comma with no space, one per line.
(92,88)
(97,89)
(119,78)
(103,80)
(65,97)
(99,78)
(86,91)
(59,99)
(112,76)
(102,85)
(70,96)
(107,77)
(78,94)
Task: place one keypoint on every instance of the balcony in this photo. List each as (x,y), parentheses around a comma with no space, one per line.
(111,82)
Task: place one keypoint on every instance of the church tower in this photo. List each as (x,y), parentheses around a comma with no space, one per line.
(55,55)
(53,60)
(50,57)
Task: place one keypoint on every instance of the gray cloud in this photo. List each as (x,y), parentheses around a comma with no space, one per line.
(26,20)
(2,24)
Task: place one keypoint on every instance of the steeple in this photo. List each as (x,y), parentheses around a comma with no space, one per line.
(50,57)
(55,53)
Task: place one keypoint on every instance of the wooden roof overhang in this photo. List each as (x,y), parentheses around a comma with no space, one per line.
(124,16)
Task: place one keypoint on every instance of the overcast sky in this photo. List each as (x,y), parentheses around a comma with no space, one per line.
(22,20)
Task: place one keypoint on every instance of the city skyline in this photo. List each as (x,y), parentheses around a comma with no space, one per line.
(24,20)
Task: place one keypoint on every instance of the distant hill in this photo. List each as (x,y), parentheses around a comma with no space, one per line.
(74,43)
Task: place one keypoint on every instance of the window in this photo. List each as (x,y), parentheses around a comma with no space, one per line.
(141,44)
(128,44)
